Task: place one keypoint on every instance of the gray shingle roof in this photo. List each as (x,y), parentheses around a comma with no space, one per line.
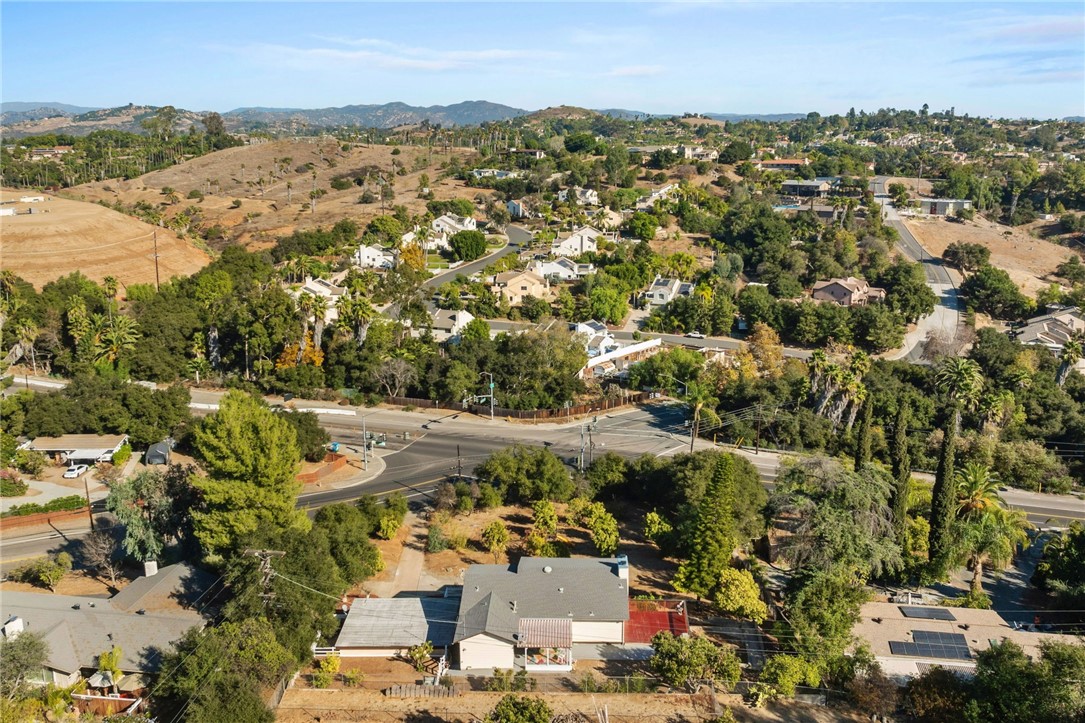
(399,622)
(77,637)
(495,597)
(172,587)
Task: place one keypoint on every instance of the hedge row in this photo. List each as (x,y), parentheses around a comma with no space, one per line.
(60,504)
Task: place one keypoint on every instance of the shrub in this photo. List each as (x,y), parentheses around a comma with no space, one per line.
(436,540)
(784,672)
(44,571)
(30,462)
(60,504)
(11,485)
(122,455)
(236,203)
(341,184)
(352,678)
(196,194)
(419,655)
(489,496)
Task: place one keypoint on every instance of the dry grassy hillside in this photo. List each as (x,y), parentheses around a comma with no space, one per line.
(62,236)
(275,209)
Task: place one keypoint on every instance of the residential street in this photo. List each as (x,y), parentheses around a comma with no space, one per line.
(942,280)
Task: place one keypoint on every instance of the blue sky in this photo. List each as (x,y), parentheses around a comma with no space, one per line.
(999,59)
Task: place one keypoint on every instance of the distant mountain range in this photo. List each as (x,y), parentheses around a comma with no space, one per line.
(21,118)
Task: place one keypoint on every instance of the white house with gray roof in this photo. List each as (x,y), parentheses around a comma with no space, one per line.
(531,613)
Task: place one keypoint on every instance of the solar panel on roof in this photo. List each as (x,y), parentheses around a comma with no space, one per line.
(929,650)
(926,613)
(938,638)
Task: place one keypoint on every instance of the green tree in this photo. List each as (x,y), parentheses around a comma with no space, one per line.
(991,290)
(526,474)
(714,538)
(312,438)
(348,530)
(642,226)
(603,529)
(468,245)
(901,463)
(496,538)
(966,257)
(683,662)
(22,657)
(786,672)
(520,709)
(1062,570)
(862,439)
(739,595)
(823,607)
(251,457)
(988,539)
(546,518)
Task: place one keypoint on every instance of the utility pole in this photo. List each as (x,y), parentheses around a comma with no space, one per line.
(757,444)
(265,569)
(459,463)
(580,458)
(157,283)
(365,446)
(491,376)
(591,444)
(90,512)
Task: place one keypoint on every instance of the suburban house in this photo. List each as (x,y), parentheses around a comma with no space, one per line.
(327,289)
(696,153)
(579,196)
(515,285)
(847,292)
(782,164)
(598,339)
(494,173)
(387,627)
(434,240)
(663,291)
(78,448)
(943,206)
(1053,330)
(616,361)
(373,257)
(450,224)
(519,209)
(561,269)
(448,323)
(911,639)
(808,189)
(534,611)
(529,152)
(645,203)
(143,619)
(581,241)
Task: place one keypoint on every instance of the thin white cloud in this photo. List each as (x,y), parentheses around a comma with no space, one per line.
(634,71)
(468,56)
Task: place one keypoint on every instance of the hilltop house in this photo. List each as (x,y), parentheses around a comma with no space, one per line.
(943,206)
(515,285)
(646,203)
(579,196)
(808,189)
(1053,330)
(448,324)
(373,257)
(494,173)
(519,208)
(696,153)
(561,269)
(782,164)
(581,241)
(143,619)
(451,224)
(328,289)
(847,292)
(663,291)
(597,338)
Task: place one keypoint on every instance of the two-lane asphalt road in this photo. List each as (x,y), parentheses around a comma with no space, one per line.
(945,319)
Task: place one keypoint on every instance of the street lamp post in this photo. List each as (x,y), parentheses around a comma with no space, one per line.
(491,376)
(365,442)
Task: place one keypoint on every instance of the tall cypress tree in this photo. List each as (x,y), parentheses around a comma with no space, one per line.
(713,535)
(862,440)
(943,497)
(901,461)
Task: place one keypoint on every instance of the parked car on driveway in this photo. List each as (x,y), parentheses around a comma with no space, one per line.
(76,470)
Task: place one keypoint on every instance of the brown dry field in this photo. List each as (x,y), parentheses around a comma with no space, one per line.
(649,573)
(265,215)
(77,236)
(76,582)
(301,705)
(1029,261)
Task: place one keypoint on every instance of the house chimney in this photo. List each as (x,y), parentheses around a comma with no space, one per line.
(623,567)
(150,568)
(13,627)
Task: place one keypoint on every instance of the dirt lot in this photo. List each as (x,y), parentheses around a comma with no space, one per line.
(1029,261)
(76,582)
(301,705)
(62,236)
(265,212)
(649,573)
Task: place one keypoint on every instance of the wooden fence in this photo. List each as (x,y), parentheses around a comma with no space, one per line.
(530,415)
(42,518)
(332,463)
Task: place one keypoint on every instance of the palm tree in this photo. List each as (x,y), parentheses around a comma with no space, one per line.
(962,381)
(111,285)
(701,401)
(1071,351)
(320,313)
(27,333)
(116,335)
(989,539)
(355,315)
(305,308)
(977,491)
